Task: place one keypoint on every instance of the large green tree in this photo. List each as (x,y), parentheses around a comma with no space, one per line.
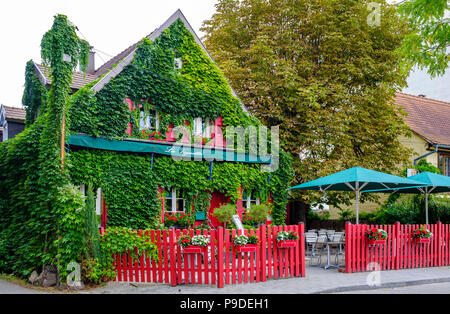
(321,71)
(427,46)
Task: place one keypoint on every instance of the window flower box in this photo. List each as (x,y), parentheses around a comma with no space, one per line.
(422,235)
(194,245)
(377,241)
(284,244)
(246,248)
(422,240)
(193,249)
(376,236)
(244,244)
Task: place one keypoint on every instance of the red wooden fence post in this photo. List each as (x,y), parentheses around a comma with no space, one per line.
(439,243)
(397,245)
(173,262)
(301,228)
(348,247)
(263,255)
(220,265)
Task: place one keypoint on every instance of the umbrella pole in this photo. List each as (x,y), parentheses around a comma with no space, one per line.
(357,207)
(426,207)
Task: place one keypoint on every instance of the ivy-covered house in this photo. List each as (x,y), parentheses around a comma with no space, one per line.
(124,139)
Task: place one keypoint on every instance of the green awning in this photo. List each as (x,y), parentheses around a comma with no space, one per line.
(175,150)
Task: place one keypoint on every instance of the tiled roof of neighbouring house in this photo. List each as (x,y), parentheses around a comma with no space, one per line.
(15,114)
(78,79)
(427,117)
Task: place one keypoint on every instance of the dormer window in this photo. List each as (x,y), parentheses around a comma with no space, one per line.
(198,127)
(178,64)
(149,120)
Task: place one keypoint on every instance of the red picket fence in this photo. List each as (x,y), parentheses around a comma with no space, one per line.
(400,251)
(220,263)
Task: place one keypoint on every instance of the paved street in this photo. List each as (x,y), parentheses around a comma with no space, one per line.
(318,280)
(7,287)
(435,288)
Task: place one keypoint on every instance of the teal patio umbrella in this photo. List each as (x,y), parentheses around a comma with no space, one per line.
(358,180)
(436,183)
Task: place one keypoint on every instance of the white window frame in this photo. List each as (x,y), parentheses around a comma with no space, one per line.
(98,202)
(173,202)
(197,127)
(147,123)
(207,128)
(249,201)
(178,64)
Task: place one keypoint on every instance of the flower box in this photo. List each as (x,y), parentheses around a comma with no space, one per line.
(377,241)
(422,240)
(246,248)
(193,249)
(287,244)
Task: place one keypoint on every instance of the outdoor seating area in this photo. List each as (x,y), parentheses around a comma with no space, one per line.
(325,244)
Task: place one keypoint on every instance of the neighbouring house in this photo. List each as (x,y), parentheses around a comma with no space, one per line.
(12,122)
(429,120)
(125,139)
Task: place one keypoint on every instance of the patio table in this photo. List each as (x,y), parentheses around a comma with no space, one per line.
(329,244)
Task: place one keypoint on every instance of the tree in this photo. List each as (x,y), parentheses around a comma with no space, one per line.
(427,44)
(321,72)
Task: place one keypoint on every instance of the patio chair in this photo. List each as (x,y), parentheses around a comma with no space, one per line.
(337,237)
(317,250)
(310,240)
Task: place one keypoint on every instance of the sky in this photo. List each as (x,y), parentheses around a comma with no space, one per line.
(111,26)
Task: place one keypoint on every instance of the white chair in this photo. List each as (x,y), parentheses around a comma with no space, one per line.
(317,249)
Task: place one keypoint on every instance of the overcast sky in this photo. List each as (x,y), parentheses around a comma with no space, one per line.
(110,26)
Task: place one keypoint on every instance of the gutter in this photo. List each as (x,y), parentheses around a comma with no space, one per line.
(436,148)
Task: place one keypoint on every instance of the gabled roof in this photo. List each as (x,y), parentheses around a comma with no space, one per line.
(13,114)
(114,66)
(429,118)
(79,79)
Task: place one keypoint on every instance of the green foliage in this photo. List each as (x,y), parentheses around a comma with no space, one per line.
(411,210)
(259,213)
(96,271)
(34,94)
(92,235)
(224,213)
(427,44)
(125,240)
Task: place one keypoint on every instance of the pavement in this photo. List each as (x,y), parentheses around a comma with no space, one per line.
(317,281)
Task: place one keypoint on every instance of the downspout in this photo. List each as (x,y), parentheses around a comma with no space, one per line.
(436,147)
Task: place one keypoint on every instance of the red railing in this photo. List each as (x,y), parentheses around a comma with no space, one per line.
(400,251)
(220,264)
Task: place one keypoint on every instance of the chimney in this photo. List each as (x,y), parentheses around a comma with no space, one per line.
(91,65)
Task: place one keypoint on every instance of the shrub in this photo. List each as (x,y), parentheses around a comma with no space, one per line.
(224,213)
(259,213)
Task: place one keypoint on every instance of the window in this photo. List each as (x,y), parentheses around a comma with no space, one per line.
(178,64)
(444,164)
(175,202)
(149,121)
(207,128)
(198,127)
(250,200)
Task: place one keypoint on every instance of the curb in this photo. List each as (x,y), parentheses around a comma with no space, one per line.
(384,286)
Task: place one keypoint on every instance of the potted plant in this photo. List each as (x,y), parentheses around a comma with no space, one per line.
(287,239)
(376,236)
(196,244)
(245,243)
(422,235)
